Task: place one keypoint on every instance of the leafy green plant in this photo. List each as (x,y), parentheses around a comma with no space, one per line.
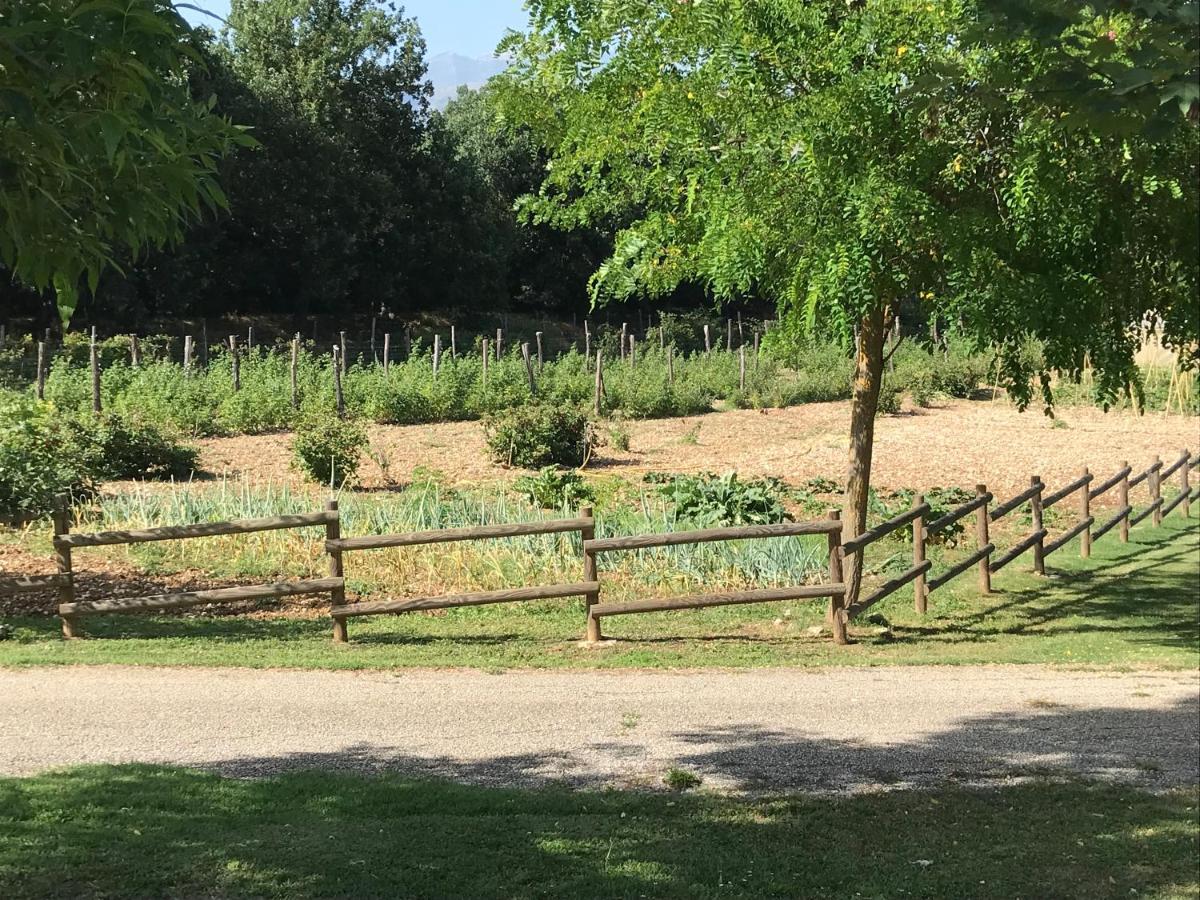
(681,779)
(328,449)
(540,435)
(41,456)
(121,447)
(708,499)
(618,436)
(554,488)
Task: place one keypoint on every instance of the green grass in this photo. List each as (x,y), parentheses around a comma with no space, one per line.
(1129,606)
(139,831)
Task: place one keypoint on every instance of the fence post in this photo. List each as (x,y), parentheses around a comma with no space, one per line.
(537,336)
(742,368)
(982,539)
(187,354)
(374,358)
(342,354)
(62,553)
(1085,511)
(1123,499)
(729,335)
(528,369)
(599,379)
(41,376)
(671,365)
(837,604)
(337,383)
(632,352)
(250,338)
(94,354)
(1156,491)
(337,597)
(236,362)
(920,597)
(1185,483)
(483,350)
(587,344)
(135,349)
(499,343)
(204,343)
(588,533)
(453,343)
(1035,508)
(437,355)
(624,338)
(707,341)
(387,352)
(294,373)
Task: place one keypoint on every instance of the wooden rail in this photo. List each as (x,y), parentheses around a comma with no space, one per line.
(447,535)
(1138,479)
(889,587)
(1111,523)
(1017,550)
(180,532)
(1153,507)
(1062,541)
(1110,484)
(708,535)
(883,529)
(957,569)
(479,598)
(699,601)
(1062,493)
(194,598)
(1025,496)
(957,513)
(21,584)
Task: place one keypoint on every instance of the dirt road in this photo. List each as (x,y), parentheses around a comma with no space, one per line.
(839,730)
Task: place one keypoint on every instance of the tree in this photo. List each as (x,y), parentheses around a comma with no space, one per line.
(810,152)
(102,149)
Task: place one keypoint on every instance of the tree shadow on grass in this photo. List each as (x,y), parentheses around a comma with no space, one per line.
(320,829)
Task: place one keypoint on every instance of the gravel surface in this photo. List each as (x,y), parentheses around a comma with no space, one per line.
(833,730)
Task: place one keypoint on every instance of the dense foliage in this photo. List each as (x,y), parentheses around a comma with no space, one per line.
(539,435)
(328,449)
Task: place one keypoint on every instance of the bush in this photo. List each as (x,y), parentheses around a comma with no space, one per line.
(40,457)
(119,447)
(328,449)
(540,435)
(553,488)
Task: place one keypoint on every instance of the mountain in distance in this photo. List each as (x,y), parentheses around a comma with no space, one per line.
(448,71)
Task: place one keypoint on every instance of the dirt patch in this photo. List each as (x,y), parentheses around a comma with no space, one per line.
(960,443)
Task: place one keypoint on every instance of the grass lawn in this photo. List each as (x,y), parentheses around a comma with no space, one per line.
(1132,605)
(139,831)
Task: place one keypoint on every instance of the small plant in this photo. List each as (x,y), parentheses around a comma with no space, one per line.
(540,435)
(6,631)
(889,401)
(618,436)
(554,488)
(681,779)
(383,460)
(822,485)
(691,437)
(328,449)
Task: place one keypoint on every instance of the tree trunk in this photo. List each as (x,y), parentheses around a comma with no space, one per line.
(868,376)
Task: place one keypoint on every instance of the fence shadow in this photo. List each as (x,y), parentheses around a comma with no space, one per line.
(315,830)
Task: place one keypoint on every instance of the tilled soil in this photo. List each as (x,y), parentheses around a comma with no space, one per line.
(961,443)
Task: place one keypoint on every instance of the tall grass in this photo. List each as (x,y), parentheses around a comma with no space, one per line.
(438,568)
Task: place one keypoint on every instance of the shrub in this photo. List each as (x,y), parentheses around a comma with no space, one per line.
(540,435)
(618,436)
(40,457)
(120,447)
(553,488)
(709,500)
(328,449)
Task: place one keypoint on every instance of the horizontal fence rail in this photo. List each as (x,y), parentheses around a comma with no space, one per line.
(841,608)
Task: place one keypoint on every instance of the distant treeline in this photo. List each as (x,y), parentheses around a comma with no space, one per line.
(359,198)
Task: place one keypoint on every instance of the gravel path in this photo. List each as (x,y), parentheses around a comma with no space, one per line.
(836,729)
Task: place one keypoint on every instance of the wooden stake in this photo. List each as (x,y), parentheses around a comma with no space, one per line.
(587,342)
(374,358)
(187,354)
(707,341)
(250,339)
(236,362)
(94,353)
(453,343)
(41,372)
(499,343)
(742,368)
(1035,508)
(528,369)
(337,382)
(756,336)
(387,352)
(204,343)
(337,597)
(671,365)
(537,335)
(624,338)
(484,352)
(599,379)
(437,355)
(342,351)
(982,539)
(836,614)
(741,334)
(294,371)
(920,595)
(729,335)
(632,352)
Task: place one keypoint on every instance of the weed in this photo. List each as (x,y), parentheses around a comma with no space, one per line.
(681,779)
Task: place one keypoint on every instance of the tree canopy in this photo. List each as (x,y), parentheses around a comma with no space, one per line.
(103,149)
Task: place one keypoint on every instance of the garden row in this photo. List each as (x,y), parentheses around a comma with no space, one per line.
(842,604)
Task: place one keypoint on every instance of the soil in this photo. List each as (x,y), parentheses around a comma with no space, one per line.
(957,444)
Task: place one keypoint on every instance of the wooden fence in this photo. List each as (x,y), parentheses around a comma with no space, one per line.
(985,557)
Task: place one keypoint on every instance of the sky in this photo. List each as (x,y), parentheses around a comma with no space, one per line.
(468,27)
